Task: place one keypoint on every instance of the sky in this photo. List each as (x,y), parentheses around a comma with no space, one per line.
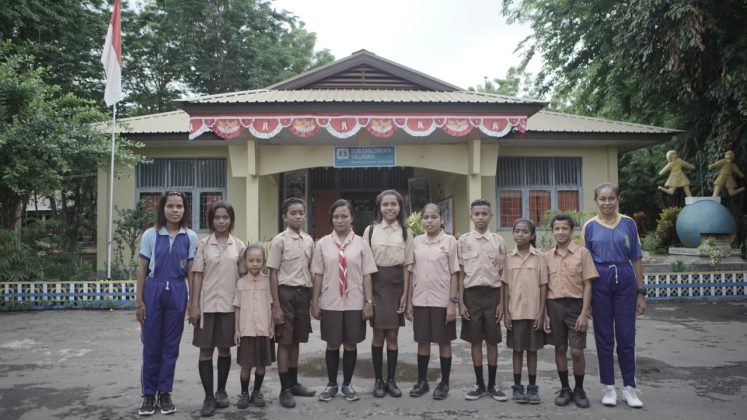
(458,41)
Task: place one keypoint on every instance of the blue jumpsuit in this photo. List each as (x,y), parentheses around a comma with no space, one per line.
(613,249)
(165,296)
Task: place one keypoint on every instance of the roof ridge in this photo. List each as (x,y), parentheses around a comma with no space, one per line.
(602,119)
(151,116)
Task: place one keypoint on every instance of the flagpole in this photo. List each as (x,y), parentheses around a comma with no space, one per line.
(111,196)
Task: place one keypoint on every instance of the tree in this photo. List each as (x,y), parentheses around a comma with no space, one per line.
(211,46)
(63,35)
(49,145)
(663,62)
(514,84)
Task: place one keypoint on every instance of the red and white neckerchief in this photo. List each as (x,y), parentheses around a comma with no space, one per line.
(342,266)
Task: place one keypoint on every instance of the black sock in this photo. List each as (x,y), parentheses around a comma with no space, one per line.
(205,367)
(517,378)
(532,379)
(333,362)
(244,385)
(423,368)
(292,376)
(579,381)
(445,369)
(391,363)
(348,365)
(284,380)
(258,381)
(224,366)
(377,358)
(479,377)
(491,375)
(563,375)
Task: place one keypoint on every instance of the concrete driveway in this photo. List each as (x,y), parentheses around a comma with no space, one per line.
(692,364)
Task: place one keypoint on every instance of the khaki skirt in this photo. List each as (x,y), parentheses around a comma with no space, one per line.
(388,287)
(255,352)
(217,331)
(429,325)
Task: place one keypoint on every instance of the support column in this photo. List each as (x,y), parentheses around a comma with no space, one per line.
(252,192)
(474,177)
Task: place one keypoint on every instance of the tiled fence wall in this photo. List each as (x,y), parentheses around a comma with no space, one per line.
(121,293)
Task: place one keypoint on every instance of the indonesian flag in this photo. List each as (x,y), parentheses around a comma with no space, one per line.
(112,58)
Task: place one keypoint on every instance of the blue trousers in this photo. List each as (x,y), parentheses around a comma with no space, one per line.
(165,305)
(613,304)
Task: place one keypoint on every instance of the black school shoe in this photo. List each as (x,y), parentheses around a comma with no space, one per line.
(301,391)
(579,397)
(392,388)
(379,390)
(208,406)
(420,388)
(148,406)
(221,398)
(258,399)
(441,391)
(565,397)
(286,398)
(243,402)
(519,395)
(533,394)
(166,403)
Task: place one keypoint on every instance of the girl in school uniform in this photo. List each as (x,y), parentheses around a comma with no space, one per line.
(618,295)
(254,328)
(215,271)
(166,253)
(391,243)
(433,298)
(342,297)
(525,293)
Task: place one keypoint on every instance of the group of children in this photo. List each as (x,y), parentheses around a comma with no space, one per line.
(382,277)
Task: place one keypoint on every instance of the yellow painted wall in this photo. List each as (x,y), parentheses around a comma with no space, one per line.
(447,167)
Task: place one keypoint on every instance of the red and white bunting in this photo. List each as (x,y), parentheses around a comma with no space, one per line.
(345,126)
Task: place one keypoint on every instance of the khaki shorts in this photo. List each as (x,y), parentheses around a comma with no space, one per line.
(563,314)
(294,302)
(481,302)
(522,337)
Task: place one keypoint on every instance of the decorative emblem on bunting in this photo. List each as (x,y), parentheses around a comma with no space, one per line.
(344,126)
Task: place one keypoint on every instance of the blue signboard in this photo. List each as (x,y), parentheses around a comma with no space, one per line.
(364,157)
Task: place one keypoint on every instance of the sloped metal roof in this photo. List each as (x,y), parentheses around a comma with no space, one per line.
(557,122)
(259,96)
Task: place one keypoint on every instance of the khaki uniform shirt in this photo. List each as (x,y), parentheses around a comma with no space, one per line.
(482,258)
(524,276)
(388,248)
(359,262)
(434,263)
(219,266)
(568,272)
(254,301)
(290,254)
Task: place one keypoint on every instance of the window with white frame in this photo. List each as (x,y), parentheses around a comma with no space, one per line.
(202,181)
(526,187)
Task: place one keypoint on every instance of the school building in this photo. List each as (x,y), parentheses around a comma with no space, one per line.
(355,127)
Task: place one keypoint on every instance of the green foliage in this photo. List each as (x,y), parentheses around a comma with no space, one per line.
(230,46)
(665,227)
(514,84)
(715,253)
(415,223)
(678,64)
(49,147)
(677,266)
(651,244)
(129,226)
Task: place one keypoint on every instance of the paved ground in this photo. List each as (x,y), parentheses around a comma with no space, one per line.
(85,364)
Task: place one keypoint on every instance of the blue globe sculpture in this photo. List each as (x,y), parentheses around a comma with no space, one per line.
(703,217)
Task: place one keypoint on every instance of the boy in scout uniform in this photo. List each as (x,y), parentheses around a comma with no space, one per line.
(571,271)
(482,255)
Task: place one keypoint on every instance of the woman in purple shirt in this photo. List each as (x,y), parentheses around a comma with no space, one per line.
(618,295)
